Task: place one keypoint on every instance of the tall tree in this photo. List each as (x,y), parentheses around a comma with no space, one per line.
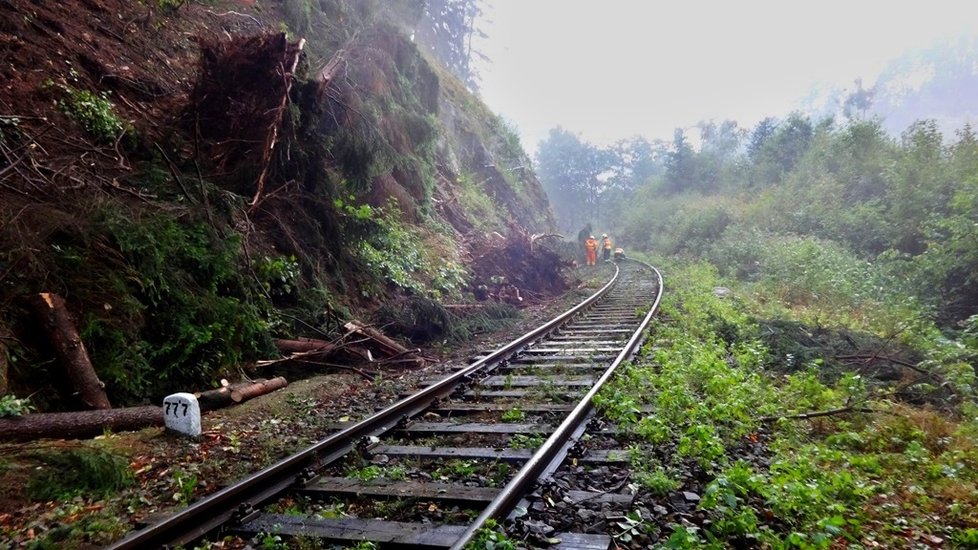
(571,172)
(859,101)
(631,162)
(776,152)
(447,29)
(681,164)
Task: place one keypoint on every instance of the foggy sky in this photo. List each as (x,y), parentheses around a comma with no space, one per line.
(616,68)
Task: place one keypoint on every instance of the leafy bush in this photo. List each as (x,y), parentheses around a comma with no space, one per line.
(177,307)
(395,253)
(10,406)
(93,111)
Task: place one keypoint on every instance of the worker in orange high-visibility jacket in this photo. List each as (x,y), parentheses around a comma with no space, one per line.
(606,244)
(591,250)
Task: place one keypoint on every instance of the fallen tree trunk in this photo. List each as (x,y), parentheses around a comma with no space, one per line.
(258,388)
(78,425)
(385,344)
(64,337)
(306,347)
(85,424)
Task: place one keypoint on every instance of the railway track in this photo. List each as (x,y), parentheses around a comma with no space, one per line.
(487,442)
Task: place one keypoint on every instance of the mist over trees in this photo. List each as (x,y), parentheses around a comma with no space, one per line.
(585,182)
(899,214)
(447,29)
(937,82)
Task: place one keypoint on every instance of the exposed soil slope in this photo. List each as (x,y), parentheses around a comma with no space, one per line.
(192,183)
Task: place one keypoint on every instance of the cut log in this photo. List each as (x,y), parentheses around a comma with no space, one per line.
(258,388)
(77,425)
(303,345)
(214,399)
(222,397)
(61,331)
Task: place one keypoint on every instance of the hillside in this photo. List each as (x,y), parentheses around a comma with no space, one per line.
(197,178)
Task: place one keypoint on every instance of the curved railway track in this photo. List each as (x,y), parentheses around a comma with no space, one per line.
(483,443)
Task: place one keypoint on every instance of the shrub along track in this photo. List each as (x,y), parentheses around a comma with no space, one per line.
(455,457)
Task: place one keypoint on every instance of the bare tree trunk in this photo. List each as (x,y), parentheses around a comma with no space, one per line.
(61,331)
(77,425)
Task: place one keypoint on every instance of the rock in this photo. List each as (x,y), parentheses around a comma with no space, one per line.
(660,510)
(380,459)
(538,527)
(690,496)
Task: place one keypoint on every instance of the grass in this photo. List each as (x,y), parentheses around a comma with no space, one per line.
(891,478)
(82,471)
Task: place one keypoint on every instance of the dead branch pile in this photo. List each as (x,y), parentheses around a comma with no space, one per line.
(518,260)
(360,344)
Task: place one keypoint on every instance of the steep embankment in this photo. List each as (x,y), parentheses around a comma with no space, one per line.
(196,178)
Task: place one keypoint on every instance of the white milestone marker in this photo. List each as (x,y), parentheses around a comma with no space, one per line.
(182,414)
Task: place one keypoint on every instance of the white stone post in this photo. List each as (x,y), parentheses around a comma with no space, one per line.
(181,413)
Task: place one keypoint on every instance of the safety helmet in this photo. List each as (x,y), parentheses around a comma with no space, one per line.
(603,236)
(591,237)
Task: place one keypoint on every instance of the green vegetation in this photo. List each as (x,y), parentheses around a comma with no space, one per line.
(87,471)
(185,484)
(404,255)
(180,300)
(11,406)
(482,207)
(874,471)
(849,293)
(525,441)
(372,472)
(456,468)
(513,415)
(491,537)
(93,111)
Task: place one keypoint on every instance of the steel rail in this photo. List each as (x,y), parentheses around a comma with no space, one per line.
(238,501)
(555,448)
